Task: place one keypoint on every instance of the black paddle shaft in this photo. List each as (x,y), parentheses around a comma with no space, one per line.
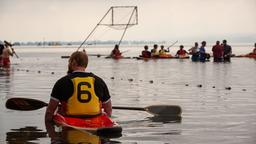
(128,108)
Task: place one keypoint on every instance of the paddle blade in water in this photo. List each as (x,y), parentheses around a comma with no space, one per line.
(24,104)
(164,110)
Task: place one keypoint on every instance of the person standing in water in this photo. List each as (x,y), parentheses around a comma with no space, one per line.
(217,52)
(6,53)
(227,51)
(202,52)
(1,52)
(194,52)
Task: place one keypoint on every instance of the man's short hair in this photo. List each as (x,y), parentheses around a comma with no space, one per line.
(80,58)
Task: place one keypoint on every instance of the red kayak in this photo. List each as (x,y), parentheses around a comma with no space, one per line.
(100,125)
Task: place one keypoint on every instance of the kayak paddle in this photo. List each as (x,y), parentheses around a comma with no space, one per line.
(172,44)
(157,110)
(27,104)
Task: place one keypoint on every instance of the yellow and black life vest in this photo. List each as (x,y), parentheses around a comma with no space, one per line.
(84,100)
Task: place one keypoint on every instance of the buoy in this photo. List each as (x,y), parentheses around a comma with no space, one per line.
(130,79)
(228,88)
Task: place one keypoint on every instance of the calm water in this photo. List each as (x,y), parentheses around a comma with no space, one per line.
(211,113)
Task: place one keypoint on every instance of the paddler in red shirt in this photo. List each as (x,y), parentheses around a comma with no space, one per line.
(115,53)
(181,52)
(217,52)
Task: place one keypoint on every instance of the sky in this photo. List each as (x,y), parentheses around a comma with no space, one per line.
(158,20)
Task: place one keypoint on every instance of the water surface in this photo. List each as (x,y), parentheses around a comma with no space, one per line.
(218,99)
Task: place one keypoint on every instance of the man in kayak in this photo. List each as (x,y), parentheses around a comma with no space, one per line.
(163,51)
(78,94)
(227,51)
(81,94)
(217,52)
(181,52)
(145,53)
(115,53)
(251,54)
(154,52)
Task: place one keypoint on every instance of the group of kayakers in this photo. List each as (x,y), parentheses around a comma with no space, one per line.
(222,52)
(5,52)
(162,53)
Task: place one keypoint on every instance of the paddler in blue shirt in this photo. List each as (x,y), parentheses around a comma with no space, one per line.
(79,93)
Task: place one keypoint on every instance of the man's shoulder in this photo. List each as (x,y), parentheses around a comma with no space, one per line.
(63,79)
(82,74)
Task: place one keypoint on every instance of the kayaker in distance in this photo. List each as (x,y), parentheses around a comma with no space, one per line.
(145,53)
(154,52)
(163,51)
(115,53)
(79,93)
(217,52)
(181,52)
(251,54)
(227,51)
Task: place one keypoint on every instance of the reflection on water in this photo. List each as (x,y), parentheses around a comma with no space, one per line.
(66,135)
(24,135)
(5,82)
(69,135)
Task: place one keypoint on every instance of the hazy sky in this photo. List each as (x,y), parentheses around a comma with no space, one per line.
(169,20)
